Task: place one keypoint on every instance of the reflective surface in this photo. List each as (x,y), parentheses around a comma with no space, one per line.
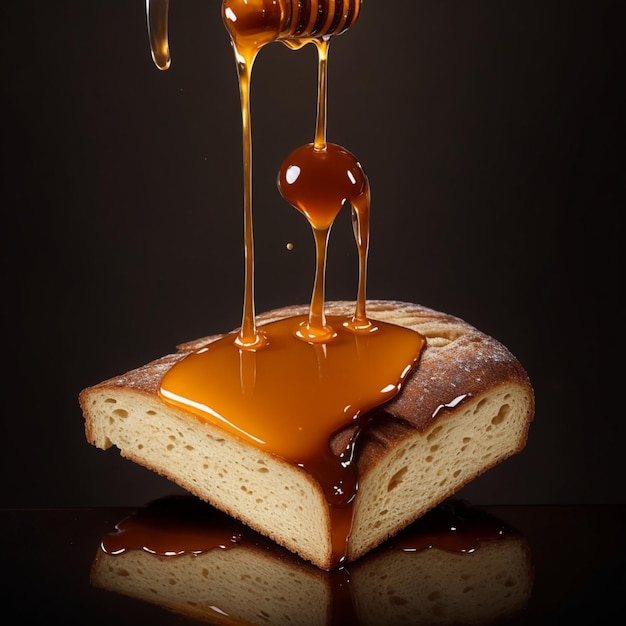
(577,555)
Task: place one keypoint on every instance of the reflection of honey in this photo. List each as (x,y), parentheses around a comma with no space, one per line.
(287,387)
(179,525)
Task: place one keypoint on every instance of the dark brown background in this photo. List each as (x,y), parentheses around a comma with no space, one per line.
(489,131)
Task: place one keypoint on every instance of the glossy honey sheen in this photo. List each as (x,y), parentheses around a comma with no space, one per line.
(290,396)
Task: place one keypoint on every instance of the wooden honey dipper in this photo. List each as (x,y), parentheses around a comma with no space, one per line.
(259,22)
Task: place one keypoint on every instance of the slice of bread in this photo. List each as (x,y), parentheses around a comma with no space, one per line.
(479,573)
(466,407)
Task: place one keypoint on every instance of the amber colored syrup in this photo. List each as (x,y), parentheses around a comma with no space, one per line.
(288,386)
(175,526)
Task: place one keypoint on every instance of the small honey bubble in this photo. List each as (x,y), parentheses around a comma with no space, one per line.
(289,246)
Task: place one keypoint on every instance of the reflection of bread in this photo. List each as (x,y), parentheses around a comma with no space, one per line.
(256,582)
(249,580)
(465,408)
(489,585)
(443,586)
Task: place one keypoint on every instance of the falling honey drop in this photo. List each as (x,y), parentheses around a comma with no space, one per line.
(157,12)
(319,182)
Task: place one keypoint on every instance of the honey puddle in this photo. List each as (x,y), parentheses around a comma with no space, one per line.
(179,525)
(288,386)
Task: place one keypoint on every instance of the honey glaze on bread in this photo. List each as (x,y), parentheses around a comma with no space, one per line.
(327,427)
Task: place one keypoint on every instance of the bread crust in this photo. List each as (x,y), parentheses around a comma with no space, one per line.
(459,366)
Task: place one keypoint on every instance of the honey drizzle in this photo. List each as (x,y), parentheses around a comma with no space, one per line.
(322,46)
(249,337)
(296,24)
(235,381)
